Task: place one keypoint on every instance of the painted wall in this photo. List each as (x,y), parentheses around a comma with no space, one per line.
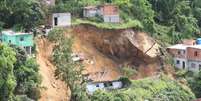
(111,18)
(15,39)
(194,66)
(180,64)
(92,87)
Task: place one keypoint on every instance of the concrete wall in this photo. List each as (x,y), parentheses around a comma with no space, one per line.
(111,18)
(180,65)
(90,13)
(194,66)
(92,87)
(64,19)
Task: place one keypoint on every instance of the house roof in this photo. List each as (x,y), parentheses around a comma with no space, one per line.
(179,46)
(195,46)
(90,7)
(184,47)
(10,32)
(61,14)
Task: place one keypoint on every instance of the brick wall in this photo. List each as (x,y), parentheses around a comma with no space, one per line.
(194,54)
(110,10)
(177,53)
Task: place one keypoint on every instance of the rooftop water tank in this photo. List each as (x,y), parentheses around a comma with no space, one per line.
(198,41)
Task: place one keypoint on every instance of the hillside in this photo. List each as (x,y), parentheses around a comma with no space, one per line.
(102,60)
(54,90)
(122,47)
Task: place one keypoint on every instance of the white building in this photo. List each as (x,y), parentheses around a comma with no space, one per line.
(93,86)
(61,19)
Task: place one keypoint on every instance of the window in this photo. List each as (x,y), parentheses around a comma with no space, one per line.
(179,52)
(199,67)
(21,38)
(193,65)
(195,53)
(178,62)
(97,85)
(184,51)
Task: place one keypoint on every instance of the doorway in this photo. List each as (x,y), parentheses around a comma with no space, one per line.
(55,21)
(183,65)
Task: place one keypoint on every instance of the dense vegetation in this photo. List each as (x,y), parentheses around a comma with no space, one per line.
(19,75)
(20,14)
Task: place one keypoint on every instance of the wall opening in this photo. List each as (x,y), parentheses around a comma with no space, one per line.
(55,21)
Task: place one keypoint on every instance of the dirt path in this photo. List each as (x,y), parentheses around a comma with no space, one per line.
(55,90)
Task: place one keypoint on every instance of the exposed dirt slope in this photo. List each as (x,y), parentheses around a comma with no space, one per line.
(55,90)
(118,47)
(99,66)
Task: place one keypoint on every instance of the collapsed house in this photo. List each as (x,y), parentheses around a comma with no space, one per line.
(103,85)
(109,12)
(187,56)
(24,40)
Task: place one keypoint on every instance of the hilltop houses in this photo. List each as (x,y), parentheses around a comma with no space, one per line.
(109,12)
(24,40)
(187,55)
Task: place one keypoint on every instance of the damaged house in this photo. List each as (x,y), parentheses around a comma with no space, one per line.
(103,85)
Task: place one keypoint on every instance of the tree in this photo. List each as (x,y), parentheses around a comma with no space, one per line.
(25,13)
(195,83)
(7,78)
(177,14)
(27,75)
(68,70)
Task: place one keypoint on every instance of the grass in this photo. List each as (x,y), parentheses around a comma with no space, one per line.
(130,24)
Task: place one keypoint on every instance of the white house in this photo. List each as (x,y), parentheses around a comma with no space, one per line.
(61,19)
(107,85)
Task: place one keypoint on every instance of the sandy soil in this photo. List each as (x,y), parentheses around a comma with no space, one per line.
(54,90)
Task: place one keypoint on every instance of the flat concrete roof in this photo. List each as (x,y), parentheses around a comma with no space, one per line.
(184,47)
(179,46)
(10,32)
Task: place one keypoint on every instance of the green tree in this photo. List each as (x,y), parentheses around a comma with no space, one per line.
(68,70)
(27,75)
(7,78)
(25,13)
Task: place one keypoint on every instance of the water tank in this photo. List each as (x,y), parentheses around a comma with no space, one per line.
(198,41)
